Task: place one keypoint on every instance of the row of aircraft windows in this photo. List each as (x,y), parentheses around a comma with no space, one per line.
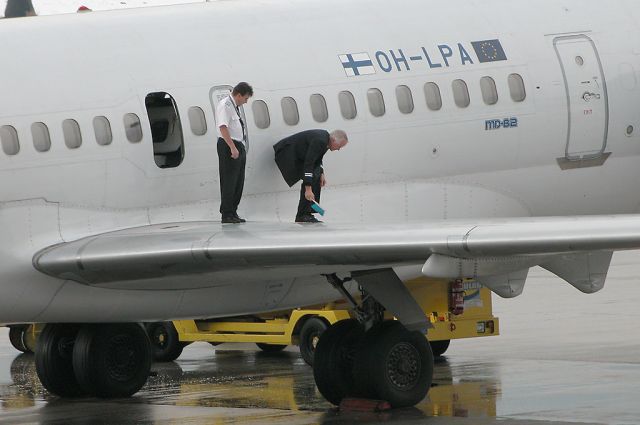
(102,130)
(166,129)
(376,103)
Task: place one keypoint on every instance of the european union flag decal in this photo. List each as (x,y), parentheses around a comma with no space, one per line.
(489,50)
(357,64)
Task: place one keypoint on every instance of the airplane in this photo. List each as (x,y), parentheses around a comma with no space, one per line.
(486,138)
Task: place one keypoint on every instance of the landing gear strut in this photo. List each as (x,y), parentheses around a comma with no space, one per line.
(372,358)
(103,360)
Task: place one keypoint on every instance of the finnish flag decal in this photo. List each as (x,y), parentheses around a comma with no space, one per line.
(357,64)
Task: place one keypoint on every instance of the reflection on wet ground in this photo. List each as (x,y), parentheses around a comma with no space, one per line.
(563,357)
(247,386)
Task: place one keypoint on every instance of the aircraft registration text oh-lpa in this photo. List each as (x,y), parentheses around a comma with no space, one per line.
(486,138)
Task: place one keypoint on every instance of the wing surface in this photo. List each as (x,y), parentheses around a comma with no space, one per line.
(202,251)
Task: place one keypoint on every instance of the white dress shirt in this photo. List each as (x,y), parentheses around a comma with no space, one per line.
(228,113)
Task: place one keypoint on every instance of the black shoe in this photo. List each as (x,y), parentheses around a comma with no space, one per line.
(231,219)
(242,220)
(307,218)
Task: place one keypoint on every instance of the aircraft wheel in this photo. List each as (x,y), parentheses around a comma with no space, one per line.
(394,364)
(112,360)
(309,337)
(165,343)
(54,360)
(16,334)
(333,360)
(270,348)
(439,347)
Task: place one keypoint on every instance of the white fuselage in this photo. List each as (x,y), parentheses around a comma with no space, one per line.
(422,165)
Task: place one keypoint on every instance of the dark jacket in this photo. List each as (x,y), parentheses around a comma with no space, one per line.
(300,154)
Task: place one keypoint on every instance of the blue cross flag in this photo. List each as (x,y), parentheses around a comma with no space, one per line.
(489,50)
(357,64)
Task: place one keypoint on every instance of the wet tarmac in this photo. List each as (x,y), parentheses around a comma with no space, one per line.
(563,358)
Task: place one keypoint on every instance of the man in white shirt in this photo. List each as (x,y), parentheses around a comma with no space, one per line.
(232,153)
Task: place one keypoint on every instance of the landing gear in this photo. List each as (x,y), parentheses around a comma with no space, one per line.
(333,360)
(103,360)
(388,361)
(394,364)
(112,360)
(54,360)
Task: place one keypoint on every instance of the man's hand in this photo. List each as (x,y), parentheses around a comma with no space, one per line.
(308,194)
(224,132)
(323,181)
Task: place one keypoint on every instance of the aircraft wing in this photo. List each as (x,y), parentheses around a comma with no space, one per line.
(497,252)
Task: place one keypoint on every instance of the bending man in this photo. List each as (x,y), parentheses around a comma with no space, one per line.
(300,157)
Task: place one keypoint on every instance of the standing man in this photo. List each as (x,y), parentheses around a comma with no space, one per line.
(232,152)
(300,157)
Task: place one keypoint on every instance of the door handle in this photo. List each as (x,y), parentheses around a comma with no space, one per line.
(587,96)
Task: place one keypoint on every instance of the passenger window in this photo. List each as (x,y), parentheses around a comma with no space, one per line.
(102,130)
(197,121)
(347,105)
(41,137)
(489,91)
(376,102)
(72,135)
(261,114)
(432,96)
(405,100)
(166,129)
(319,108)
(9,140)
(516,88)
(290,111)
(460,93)
(132,127)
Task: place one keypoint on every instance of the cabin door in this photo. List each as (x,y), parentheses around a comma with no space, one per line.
(587,102)
(216,94)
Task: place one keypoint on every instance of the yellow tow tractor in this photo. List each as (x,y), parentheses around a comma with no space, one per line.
(23,337)
(457,309)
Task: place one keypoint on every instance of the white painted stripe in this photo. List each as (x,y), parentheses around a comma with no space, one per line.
(361,56)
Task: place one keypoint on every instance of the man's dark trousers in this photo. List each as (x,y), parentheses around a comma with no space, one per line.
(304,206)
(231,176)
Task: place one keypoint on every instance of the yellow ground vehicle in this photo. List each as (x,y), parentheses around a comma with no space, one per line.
(23,337)
(456,309)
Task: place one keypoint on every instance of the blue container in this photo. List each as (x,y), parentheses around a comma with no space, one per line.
(317,208)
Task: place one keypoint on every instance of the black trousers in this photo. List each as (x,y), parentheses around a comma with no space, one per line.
(231,176)
(304,206)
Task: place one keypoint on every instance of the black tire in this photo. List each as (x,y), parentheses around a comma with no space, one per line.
(16,337)
(394,364)
(112,360)
(439,347)
(165,342)
(54,360)
(333,360)
(309,337)
(270,348)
